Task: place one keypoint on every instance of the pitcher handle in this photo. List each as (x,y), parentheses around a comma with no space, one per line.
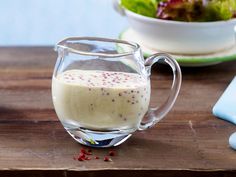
(154,115)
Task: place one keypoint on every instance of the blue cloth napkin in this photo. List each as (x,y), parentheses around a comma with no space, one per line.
(232,141)
(225,108)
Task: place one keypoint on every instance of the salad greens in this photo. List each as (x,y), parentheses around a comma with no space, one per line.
(142,7)
(221,9)
(184,10)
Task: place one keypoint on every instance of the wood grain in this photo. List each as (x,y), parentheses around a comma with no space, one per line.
(190,141)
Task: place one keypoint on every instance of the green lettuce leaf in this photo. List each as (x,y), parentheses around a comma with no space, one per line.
(142,7)
(220,10)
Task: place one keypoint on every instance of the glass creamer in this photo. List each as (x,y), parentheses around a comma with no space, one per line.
(101,89)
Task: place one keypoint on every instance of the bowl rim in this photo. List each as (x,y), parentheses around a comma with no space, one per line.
(156,20)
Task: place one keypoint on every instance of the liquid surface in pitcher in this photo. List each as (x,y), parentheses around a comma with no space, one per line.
(100,100)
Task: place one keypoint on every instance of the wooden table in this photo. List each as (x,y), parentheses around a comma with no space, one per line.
(190,141)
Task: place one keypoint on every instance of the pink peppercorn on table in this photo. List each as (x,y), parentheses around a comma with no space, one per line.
(190,141)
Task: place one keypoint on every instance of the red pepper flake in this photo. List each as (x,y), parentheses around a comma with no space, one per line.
(83,151)
(81,155)
(96,157)
(111,153)
(107,159)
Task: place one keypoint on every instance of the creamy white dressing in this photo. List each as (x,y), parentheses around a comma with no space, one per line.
(101,99)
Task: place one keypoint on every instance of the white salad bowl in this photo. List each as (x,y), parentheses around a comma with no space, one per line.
(181,37)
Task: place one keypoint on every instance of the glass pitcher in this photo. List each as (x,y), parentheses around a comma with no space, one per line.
(101,89)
